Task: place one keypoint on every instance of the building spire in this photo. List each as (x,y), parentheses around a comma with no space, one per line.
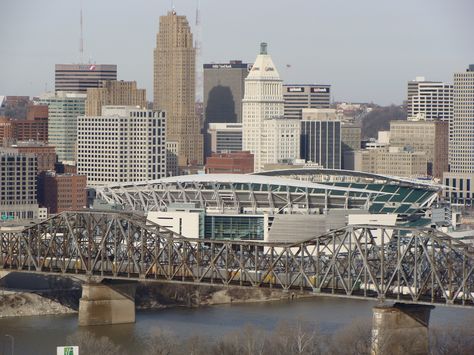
(173,9)
(263,48)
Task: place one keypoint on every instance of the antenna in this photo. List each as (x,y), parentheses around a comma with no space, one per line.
(81,40)
(198,48)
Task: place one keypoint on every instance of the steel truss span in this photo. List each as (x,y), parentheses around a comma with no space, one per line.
(407,265)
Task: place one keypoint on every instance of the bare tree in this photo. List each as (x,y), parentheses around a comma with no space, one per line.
(450,340)
(300,338)
(354,339)
(162,343)
(89,344)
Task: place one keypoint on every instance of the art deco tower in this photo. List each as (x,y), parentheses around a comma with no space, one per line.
(174,87)
(263,101)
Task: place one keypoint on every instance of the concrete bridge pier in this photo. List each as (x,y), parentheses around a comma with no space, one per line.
(401,329)
(107,303)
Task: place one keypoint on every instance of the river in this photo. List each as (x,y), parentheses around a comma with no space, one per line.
(40,335)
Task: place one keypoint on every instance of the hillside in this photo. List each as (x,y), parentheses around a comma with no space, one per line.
(379,119)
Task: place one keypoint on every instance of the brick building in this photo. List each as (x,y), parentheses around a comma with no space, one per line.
(45,154)
(62,192)
(230,163)
(6,130)
(35,127)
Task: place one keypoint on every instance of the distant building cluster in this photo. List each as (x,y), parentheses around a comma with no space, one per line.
(95,130)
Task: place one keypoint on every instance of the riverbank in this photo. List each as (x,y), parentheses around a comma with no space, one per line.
(149,296)
(19,304)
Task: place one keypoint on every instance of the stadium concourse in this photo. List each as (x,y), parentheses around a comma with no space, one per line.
(276,206)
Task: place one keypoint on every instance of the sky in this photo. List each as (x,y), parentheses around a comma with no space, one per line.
(367,49)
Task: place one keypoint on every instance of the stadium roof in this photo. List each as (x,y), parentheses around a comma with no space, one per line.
(350,173)
(239,193)
(238,179)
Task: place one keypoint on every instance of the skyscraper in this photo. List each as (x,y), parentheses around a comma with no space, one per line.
(461,139)
(113,92)
(80,77)
(174,86)
(262,115)
(461,145)
(224,86)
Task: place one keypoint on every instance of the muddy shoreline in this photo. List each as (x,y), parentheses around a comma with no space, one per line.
(53,295)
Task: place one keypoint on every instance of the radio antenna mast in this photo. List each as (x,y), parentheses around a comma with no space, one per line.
(198,48)
(81,40)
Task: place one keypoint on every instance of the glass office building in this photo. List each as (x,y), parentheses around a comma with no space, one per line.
(321,143)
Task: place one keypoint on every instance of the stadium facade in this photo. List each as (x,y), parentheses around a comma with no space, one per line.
(277,206)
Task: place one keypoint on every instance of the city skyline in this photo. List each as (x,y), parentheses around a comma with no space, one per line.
(374,69)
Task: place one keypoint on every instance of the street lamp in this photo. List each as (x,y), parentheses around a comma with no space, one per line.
(13,342)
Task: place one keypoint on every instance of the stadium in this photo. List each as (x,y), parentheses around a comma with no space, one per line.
(275,206)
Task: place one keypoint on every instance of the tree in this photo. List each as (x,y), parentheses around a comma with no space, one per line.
(90,344)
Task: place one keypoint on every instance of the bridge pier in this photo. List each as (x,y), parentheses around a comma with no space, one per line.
(103,304)
(3,273)
(401,329)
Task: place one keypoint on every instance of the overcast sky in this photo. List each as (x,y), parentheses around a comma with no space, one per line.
(367,49)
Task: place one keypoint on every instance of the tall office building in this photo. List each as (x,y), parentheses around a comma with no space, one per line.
(461,142)
(125,144)
(321,142)
(224,86)
(80,77)
(430,100)
(263,101)
(174,87)
(299,97)
(116,93)
(17,185)
(63,108)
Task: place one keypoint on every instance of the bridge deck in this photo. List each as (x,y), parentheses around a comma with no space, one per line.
(408,265)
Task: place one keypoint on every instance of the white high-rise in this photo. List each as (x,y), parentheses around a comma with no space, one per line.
(461,140)
(125,144)
(262,112)
(429,100)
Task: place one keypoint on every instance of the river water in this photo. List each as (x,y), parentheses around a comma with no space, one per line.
(41,334)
